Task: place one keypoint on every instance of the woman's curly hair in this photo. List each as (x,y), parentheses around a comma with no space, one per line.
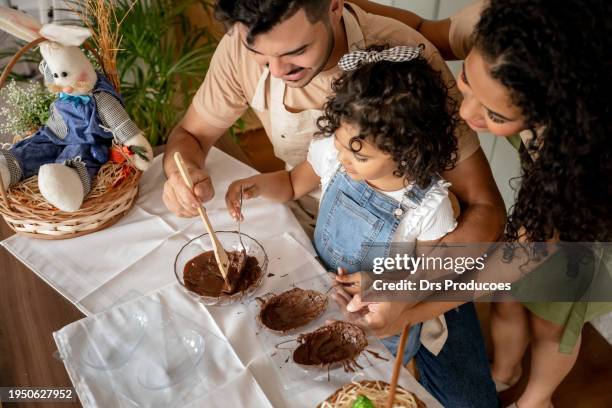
(554,57)
(402,108)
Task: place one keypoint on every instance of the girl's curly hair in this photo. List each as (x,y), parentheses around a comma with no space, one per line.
(402,108)
(554,57)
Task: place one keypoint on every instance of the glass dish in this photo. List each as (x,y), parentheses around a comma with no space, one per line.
(231,242)
(177,357)
(110,344)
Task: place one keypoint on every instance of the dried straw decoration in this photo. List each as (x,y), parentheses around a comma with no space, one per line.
(99,16)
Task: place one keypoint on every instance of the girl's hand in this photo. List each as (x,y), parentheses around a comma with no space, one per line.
(350,282)
(249,188)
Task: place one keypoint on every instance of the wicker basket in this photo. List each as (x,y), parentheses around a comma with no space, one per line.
(113,193)
(376,391)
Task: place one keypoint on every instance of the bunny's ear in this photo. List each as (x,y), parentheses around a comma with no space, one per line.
(46,71)
(65,35)
(19,24)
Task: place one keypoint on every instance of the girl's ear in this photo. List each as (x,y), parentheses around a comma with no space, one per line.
(19,24)
(65,35)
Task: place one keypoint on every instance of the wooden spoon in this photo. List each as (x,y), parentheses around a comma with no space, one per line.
(220,254)
(398,365)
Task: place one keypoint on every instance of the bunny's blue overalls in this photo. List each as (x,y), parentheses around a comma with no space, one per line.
(83,136)
(355,224)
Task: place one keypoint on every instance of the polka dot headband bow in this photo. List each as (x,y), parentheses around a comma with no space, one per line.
(355,59)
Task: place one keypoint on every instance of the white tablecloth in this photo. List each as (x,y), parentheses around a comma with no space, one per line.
(135,258)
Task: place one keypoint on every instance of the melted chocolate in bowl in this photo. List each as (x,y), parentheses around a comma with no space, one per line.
(292,309)
(338,342)
(202,275)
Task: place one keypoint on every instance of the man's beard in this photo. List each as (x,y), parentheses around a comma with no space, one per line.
(331,42)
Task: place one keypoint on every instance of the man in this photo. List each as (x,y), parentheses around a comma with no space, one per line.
(279,57)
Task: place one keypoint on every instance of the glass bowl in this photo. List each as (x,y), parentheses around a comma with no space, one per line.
(231,242)
(110,344)
(177,358)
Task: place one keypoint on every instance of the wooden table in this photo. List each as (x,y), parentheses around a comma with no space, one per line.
(30,311)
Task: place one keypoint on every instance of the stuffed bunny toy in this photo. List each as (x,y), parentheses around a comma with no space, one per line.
(88,114)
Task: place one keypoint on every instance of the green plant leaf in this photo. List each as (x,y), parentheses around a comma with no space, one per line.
(363,402)
(161,49)
(140,152)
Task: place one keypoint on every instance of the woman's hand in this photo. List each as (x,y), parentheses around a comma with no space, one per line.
(383,318)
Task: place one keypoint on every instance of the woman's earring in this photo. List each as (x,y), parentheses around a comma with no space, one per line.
(403,163)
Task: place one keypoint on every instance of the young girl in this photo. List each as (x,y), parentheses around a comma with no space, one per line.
(385,137)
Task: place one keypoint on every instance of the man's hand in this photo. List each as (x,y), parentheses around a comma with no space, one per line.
(193,138)
(180,199)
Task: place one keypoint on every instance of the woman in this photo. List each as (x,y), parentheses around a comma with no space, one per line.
(541,69)
(520,77)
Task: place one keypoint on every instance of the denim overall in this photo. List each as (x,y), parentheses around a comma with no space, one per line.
(355,222)
(85,138)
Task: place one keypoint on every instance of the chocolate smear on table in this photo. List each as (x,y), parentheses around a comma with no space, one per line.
(377,355)
(291,309)
(202,275)
(338,342)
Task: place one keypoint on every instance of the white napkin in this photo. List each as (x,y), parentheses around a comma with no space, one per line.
(138,355)
(290,263)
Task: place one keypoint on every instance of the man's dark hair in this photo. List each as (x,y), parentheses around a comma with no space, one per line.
(260,16)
